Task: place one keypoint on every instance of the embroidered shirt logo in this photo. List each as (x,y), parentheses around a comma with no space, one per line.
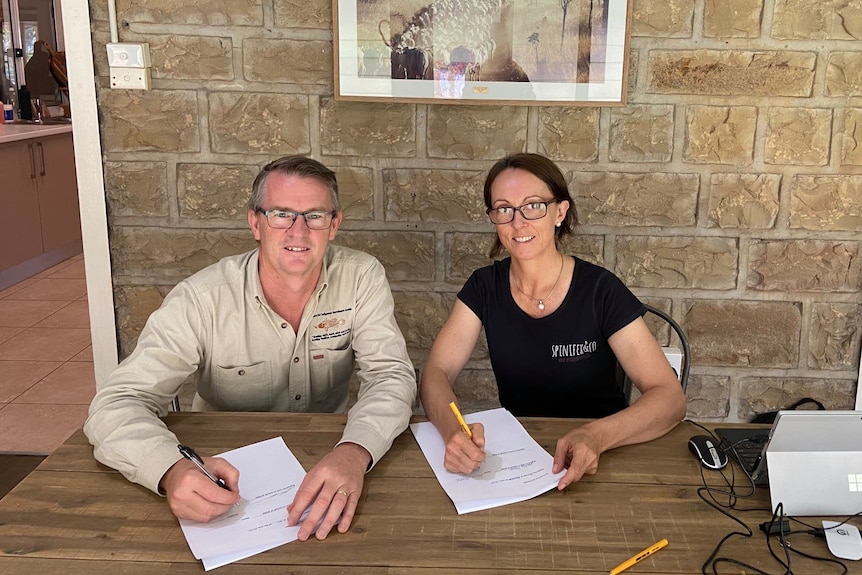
(331,324)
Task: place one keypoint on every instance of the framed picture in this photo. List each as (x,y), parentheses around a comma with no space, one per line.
(547,52)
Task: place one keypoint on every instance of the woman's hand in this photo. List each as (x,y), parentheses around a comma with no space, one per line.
(465,455)
(579,451)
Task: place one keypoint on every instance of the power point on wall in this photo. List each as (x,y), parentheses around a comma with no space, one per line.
(130,78)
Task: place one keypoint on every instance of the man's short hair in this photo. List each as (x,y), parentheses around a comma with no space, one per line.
(293,166)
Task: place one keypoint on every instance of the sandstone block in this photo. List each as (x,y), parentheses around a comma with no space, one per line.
(465,253)
(214,191)
(641,134)
(798,136)
(822,20)
(764,394)
(133,305)
(590,248)
(272,124)
(303,14)
(367,129)
(435,196)
(136,188)
(804,265)
(851,148)
(405,255)
(201,12)
(720,135)
(677,262)
(152,121)
(476,132)
(420,316)
(356,192)
(170,255)
(569,133)
(663,18)
(745,201)
(476,390)
(310,61)
(627,199)
(826,202)
(833,339)
(732,18)
(844,74)
(708,396)
(731,333)
(189,57)
(733,72)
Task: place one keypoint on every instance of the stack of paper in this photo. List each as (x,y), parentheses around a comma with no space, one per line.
(516,468)
(269,478)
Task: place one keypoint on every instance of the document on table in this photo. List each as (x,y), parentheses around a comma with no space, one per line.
(516,468)
(269,478)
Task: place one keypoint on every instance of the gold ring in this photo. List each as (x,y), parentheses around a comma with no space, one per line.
(342,492)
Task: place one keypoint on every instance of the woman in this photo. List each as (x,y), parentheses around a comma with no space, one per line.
(556,326)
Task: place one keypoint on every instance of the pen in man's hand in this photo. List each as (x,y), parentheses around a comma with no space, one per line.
(463,423)
(640,556)
(192,456)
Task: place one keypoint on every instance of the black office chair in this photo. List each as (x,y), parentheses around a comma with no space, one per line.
(626,384)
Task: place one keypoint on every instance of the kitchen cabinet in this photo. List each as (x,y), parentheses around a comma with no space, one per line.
(39,212)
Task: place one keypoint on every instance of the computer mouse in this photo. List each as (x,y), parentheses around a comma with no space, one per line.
(707,451)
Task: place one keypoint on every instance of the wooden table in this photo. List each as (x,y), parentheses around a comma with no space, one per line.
(75,516)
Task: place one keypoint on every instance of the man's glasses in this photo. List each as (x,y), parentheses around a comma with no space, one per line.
(284,219)
(529,211)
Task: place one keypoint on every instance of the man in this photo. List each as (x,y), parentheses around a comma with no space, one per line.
(275,329)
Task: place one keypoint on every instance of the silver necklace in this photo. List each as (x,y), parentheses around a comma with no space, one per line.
(541,301)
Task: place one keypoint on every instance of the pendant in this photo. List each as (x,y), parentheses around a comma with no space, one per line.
(541,305)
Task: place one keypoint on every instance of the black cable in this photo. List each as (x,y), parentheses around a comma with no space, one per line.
(777,525)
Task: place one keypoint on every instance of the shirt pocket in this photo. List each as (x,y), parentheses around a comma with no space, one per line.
(330,372)
(243,387)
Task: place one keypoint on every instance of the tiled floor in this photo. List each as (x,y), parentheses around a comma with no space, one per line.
(46,361)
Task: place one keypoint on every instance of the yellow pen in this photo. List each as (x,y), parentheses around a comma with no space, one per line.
(640,556)
(463,423)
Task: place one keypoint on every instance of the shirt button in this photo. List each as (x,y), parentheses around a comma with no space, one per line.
(242,372)
(284,325)
(295,360)
(298,397)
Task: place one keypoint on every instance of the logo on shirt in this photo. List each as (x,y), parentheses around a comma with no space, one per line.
(330,324)
(573,351)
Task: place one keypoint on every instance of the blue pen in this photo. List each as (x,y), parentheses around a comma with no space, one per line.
(190,454)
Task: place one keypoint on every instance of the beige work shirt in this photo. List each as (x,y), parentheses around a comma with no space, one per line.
(218,326)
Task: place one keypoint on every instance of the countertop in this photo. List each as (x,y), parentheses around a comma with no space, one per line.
(17,132)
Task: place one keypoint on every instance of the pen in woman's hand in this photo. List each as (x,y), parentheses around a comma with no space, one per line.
(463,423)
(192,456)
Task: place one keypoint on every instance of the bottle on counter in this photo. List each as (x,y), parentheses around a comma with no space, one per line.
(8,114)
(25,106)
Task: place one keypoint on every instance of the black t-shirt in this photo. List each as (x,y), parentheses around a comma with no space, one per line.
(560,365)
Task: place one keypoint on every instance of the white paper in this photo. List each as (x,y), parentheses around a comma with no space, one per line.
(269,478)
(516,468)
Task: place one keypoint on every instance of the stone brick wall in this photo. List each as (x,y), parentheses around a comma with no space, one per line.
(728,190)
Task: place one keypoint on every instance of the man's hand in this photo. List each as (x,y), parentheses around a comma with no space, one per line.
(579,451)
(332,489)
(191,494)
(465,455)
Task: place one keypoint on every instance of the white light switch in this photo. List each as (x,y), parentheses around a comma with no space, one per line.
(130,78)
(127,55)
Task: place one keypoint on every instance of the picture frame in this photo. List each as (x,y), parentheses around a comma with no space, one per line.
(521,52)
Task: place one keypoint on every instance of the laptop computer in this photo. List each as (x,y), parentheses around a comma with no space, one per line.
(811,460)
(815,462)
